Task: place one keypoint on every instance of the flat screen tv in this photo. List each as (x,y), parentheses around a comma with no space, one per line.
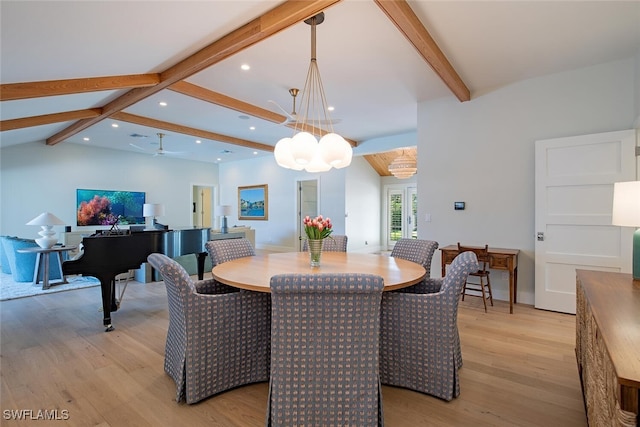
(105,207)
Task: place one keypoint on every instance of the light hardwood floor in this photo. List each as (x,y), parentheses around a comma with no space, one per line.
(519,370)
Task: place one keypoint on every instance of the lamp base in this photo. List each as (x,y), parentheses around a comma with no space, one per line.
(48,239)
(636,255)
(224,229)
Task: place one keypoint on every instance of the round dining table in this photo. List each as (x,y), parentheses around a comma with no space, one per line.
(254,272)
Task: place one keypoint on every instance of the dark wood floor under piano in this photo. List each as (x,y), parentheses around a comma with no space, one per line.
(519,369)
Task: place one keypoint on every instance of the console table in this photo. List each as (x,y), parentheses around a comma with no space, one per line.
(608,345)
(499,259)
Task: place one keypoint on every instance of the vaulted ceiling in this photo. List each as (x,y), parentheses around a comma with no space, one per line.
(72,70)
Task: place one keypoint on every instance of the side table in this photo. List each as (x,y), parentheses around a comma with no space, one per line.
(44,253)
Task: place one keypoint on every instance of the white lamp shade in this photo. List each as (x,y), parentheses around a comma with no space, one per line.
(223,210)
(626,204)
(152,209)
(282,153)
(317,164)
(46,218)
(303,147)
(335,151)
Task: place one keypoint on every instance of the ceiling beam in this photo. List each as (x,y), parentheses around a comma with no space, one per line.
(273,21)
(48,119)
(26,90)
(222,100)
(225,101)
(186,130)
(403,17)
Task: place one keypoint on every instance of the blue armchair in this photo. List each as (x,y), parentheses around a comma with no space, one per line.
(22,265)
(4,261)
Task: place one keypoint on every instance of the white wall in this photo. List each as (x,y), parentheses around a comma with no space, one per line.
(278,233)
(37,178)
(363,204)
(482,152)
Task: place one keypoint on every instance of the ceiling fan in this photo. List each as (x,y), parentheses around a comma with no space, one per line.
(160,151)
(293,116)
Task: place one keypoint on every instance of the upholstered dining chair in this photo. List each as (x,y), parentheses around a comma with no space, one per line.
(419,344)
(480,285)
(224,250)
(325,335)
(334,243)
(418,251)
(217,340)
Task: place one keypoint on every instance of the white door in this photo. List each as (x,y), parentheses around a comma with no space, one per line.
(573,200)
(402,209)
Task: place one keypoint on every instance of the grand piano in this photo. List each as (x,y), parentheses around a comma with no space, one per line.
(106,255)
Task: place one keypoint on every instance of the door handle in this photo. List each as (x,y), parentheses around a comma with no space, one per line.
(540,236)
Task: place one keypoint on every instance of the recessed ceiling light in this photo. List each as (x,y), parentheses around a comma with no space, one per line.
(245,67)
(162,104)
(198,141)
(85,139)
(218,159)
(330,108)
(114,125)
(255,152)
(252,128)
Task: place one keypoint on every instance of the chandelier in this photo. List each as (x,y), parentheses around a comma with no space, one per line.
(403,166)
(303,150)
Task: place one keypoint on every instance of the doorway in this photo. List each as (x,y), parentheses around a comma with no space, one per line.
(401,212)
(202,206)
(307,205)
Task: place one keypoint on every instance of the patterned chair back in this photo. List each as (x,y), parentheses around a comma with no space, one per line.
(456,276)
(229,249)
(335,243)
(416,250)
(324,346)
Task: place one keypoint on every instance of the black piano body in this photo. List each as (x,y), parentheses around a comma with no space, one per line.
(107,255)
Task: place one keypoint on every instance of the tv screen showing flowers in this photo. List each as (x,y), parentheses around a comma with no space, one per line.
(105,207)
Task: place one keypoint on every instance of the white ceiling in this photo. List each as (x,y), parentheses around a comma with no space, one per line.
(371,73)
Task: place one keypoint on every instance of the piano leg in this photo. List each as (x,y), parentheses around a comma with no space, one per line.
(202,256)
(107,285)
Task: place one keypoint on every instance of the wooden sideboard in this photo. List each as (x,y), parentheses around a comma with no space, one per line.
(608,346)
(499,259)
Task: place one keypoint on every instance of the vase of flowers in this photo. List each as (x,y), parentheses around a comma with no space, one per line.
(317,229)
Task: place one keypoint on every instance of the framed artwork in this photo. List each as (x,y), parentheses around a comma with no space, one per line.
(253,202)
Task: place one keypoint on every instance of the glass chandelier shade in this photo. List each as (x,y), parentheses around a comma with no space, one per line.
(303,150)
(403,166)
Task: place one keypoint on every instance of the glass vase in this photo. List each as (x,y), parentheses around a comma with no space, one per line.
(315,251)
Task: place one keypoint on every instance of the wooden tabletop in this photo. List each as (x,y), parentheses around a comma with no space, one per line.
(254,273)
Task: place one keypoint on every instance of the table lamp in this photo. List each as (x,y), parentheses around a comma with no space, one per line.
(223,211)
(626,212)
(152,210)
(46,220)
